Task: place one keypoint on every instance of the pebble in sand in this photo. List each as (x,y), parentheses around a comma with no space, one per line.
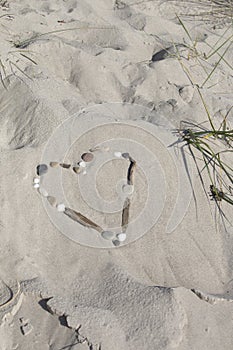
(77,169)
(54,164)
(65,166)
(87,157)
(109,235)
(125,155)
(52,201)
(116,242)
(41,169)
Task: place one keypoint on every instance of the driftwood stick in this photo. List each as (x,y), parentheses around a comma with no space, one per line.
(130,174)
(126,206)
(81,219)
(125,215)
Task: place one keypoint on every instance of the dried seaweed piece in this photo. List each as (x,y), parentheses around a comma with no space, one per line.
(83,220)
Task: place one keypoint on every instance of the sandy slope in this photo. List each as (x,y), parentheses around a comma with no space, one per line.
(163,290)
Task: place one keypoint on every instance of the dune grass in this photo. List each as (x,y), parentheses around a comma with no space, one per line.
(214,12)
(212,145)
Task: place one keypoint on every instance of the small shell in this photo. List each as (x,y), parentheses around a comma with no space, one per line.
(108,235)
(54,164)
(77,169)
(82,164)
(43,192)
(36,185)
(41,169)
(61,207)
(64,165)
(118,154)
(121,237)
(36,180)
(52,201)
(87,157)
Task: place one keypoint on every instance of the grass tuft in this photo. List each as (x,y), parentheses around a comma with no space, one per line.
(212,146)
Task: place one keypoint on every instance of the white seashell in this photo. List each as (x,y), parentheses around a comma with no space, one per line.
(43,192)
(109,235)
(118,154)
(121,237)
(82,164)
(61,207)
(36,185)
(84,172)
(36,180)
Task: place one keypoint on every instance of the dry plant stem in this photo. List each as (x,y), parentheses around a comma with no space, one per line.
(126,207)
(216,65)
(81,219)
(130,175)
(1,76)
(198,56)
(202,139)
(125,215)
(25,43)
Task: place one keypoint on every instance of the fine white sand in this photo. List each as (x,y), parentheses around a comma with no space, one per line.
(90,81)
